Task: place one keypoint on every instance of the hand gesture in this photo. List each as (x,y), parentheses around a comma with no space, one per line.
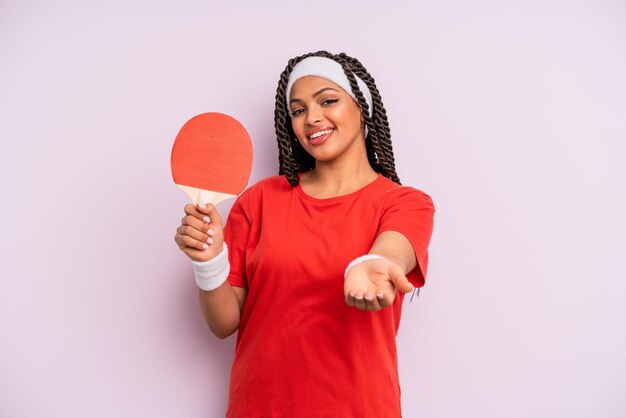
(200,234)
(371,285)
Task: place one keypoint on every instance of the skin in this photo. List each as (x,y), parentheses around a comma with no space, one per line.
(341,167)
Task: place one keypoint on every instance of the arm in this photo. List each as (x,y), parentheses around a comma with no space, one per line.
(201,237)
(222,308)
(397,248)
(372,284)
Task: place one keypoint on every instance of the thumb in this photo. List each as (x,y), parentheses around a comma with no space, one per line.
(202,207)
(399,280)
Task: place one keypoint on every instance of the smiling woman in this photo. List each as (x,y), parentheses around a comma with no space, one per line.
(322,113)
(313,264)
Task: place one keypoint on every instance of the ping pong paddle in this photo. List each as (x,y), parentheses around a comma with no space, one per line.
(211,158)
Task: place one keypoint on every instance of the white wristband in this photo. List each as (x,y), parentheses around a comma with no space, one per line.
(213,273)
(360,259)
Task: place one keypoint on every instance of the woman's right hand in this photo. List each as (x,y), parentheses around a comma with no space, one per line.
(200,234)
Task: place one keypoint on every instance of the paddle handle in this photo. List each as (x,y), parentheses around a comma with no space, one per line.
(196,195)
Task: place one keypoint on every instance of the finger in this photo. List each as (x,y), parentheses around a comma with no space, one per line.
(398,278)
(192,210)
(369,296)
(386,298)
(350,301)
(198,255)
(359,302)
(198,225)
(202,206)
(194,233)
(178,241)
(371,303)
(216,218)
(193,253)
(188,241)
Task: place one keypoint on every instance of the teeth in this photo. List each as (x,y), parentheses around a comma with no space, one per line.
(320,133)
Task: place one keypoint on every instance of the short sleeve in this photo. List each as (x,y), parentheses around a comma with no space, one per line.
(411,213)
(236,234)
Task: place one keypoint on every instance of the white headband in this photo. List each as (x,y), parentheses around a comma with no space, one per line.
(330,70)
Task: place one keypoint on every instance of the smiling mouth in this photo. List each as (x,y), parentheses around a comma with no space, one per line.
(320,137)
(320,133)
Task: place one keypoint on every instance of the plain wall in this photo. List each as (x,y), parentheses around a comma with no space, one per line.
(510,114)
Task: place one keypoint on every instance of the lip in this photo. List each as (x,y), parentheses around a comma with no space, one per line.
(320,139)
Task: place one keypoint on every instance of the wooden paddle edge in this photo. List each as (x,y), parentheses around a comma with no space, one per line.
(205,196)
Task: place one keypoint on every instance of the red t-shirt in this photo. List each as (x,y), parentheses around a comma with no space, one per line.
(301,351)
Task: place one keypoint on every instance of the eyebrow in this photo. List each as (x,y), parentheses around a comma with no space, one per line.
(315,94)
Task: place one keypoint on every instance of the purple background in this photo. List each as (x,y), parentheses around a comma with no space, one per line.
(510,114)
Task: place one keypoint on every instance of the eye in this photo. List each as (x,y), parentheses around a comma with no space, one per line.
(296,112)
(329,101)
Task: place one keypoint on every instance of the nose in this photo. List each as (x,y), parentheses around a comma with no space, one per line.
(313,115)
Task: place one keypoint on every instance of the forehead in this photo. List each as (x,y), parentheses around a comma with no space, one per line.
(311,84)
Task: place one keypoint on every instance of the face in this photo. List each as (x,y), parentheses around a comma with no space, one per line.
(326,120)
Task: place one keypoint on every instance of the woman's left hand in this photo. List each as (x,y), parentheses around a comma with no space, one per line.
(371,285)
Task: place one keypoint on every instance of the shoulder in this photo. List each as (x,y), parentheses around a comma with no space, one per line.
(409,211)
(394,194)
(272,184)
(255,193)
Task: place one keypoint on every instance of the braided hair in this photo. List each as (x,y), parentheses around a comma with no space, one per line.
(293,158)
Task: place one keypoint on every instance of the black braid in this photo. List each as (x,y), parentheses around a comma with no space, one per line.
(293,158)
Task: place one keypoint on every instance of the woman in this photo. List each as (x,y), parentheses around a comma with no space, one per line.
(312,266)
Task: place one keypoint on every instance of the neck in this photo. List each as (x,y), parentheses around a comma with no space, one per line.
(339,177)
